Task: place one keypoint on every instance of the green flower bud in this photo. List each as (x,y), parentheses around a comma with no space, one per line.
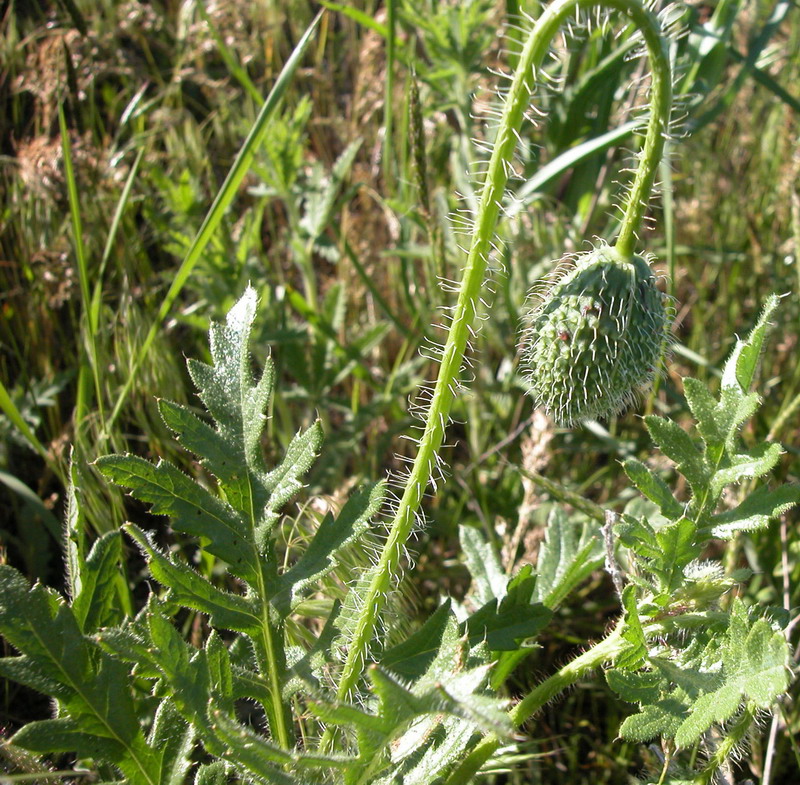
(596,338)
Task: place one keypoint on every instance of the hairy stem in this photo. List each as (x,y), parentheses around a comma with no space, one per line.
(734,735)
(601,653)
(517,101)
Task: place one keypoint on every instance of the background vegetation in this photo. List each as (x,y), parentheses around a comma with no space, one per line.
(119,122)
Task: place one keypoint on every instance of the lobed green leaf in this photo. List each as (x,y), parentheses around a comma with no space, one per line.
(172,740)
(741,367)
(322,553)
(569,553)
(488,576)
(191,590)
(284,482)
(96,602)
(761,460)
(756,511)
(755,668)
(676,444)
(653,487)
(193,509)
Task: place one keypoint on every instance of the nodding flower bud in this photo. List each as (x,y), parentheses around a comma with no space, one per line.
(596,337)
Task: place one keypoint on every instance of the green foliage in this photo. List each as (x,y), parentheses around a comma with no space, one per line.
(697,659)
(99,716)
(155,108)
(132,693)
(571,551)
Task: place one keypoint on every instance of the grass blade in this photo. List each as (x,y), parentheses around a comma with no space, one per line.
(221,203)
(525,195)
(237,71)
(80,255)
(13,414)
(94,309)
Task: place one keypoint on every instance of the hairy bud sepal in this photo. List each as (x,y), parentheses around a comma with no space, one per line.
(595,339)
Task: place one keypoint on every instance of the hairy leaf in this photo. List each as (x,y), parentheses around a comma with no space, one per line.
(569,554)
(653,487)
(488,576)
(190,589)
(172,740)
(96,602)
(503,625)
(333,535)
(756,511)
(193,509)
(755,667)
(740,369)
(676,444)
(91,686)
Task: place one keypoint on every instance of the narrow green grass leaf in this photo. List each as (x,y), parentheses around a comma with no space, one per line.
(34,503)
(551,171)
(330,334)
(17,420)
(766,80)
(237,71)
(365,20)
(83,267)
(116,222)
(368,281)
(221,203)
(75,15)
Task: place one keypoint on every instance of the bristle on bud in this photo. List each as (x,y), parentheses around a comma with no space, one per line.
(596,338)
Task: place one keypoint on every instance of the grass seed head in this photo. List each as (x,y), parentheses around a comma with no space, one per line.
(595,339)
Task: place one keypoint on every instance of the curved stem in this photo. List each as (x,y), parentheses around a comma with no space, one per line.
(657,128)
(734,735)
(517,101)
(601,653)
